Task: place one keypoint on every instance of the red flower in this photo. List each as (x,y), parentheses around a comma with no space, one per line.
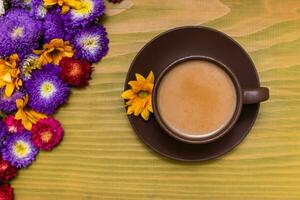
(46,133)
(6,192)
(7,171)
(75,72)
(13,125)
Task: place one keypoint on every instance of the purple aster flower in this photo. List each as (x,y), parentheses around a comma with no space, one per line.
(37,9)
(53,26)
(91,44)
(46,90)
(91,9)
(8,104)
(18,150)
(19,33)
(3,133)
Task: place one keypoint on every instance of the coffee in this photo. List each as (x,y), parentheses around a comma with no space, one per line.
(196,98)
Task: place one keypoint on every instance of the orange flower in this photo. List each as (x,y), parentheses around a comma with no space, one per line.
(27,116)
(9,74)
(54,51)
(65,4)
(139,96)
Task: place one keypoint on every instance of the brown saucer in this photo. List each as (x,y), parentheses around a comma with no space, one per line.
(194,41)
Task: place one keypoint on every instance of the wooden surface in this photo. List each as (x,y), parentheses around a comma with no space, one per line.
(100,156)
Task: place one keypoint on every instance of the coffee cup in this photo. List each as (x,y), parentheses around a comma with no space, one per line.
(199,99)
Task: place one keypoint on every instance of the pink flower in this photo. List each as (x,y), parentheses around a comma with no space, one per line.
(6,192)
(13,125)
(46,133)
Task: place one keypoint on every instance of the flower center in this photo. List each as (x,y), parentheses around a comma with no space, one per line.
(87,7)
(27,2)
(55,52)
(47,89)
(41,11)
(90,43)
(46,136)
(3,166)
(21,149)
(17,32)
(143,94)
(76,69)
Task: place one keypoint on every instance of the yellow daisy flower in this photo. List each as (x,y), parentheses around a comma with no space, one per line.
(65,4)
(54,51)
(9,74)
(139,97)
(27,116)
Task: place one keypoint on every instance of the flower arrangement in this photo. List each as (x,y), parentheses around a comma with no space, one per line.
(46,47)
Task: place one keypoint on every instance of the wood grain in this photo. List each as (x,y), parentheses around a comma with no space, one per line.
(100,156)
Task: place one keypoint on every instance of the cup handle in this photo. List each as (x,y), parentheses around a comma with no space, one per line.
(255,95)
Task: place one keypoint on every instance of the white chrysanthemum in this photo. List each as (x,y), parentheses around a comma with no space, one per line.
(28,65)
(2,9)
(41,12)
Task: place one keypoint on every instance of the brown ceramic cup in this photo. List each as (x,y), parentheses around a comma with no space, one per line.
(244,96)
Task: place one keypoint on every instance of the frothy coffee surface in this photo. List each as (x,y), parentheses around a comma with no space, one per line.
(196,97)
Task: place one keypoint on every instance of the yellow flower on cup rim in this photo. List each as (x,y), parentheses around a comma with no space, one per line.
(139,96)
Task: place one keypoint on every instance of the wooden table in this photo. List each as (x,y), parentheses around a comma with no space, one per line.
(101,157)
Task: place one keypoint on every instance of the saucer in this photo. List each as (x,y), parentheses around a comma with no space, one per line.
(176,44)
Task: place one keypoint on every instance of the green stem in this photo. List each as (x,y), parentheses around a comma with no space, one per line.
(2,115)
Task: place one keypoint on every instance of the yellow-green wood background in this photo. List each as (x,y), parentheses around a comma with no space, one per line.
(101,157)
